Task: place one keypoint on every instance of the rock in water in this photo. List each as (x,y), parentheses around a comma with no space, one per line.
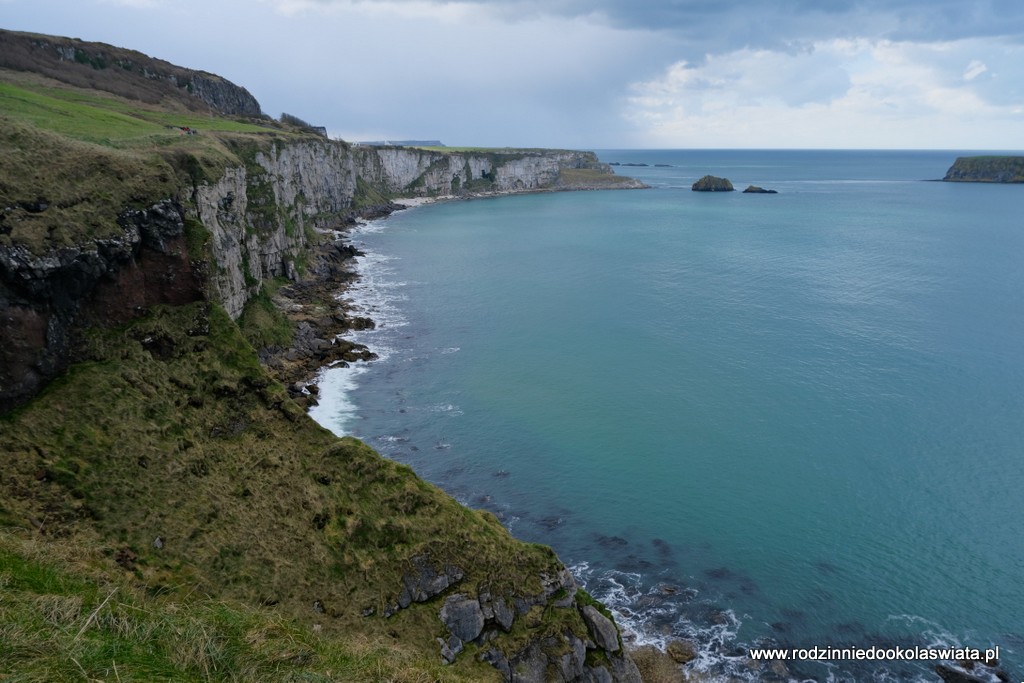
(754,189)
(710,183)
(681,651)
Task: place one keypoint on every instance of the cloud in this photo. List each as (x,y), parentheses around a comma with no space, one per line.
(840,93)
(701,27)
(974,69)
(597,72)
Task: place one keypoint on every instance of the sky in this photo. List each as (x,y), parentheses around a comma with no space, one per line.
(596,74)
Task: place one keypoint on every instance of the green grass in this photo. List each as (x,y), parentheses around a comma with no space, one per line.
(87,185)
(592,177)
(106,120)
(262,323)
(57,624)
(172,429)
(103,154)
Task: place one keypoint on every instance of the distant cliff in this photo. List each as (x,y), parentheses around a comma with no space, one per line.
(123,72)
(986,169)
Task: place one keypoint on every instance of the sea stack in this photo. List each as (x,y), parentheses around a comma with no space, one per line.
(710,183)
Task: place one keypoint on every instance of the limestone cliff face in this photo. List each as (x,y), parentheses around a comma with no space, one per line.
(414,172)
(263,215)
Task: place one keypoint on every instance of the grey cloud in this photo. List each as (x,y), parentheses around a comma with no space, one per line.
(713,27)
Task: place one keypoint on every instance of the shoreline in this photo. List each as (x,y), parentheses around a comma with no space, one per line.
(319,315)
(657,652)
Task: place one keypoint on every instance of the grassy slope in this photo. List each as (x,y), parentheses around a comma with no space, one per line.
(57,623)
(172,430)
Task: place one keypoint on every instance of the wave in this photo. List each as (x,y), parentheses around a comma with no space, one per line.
(375,294)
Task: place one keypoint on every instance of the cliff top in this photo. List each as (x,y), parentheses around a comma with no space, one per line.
(123,72)
(144,149)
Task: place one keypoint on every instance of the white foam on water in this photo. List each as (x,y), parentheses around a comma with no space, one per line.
(374,294)
(336,410)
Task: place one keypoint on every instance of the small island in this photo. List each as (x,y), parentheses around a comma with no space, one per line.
(986,169)
(710,183)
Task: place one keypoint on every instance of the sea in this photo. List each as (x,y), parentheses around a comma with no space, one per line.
(786,420)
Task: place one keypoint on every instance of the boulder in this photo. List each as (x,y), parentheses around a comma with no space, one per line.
(710,183)
(602,630)
(463,617)
(951,675)
(681,651)
(754,189)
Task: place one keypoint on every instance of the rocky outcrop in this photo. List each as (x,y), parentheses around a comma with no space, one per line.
(681,651)
(754,189)
(710,183)
(45,299)
(986,169)
(478,614)
(601,629)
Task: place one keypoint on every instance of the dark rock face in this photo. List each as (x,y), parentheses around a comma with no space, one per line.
(425,581)
(45,299)
(710,183)
(602,630)
(754,189)
(986,169)
(481,618)
(463,617)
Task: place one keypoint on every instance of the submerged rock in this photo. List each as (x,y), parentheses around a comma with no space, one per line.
(681,651)
(710,183)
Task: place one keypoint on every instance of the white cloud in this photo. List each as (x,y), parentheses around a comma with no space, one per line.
(974,69)
(841,93)
(135,4)
(558,72)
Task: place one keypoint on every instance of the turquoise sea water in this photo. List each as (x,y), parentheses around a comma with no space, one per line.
(784,420)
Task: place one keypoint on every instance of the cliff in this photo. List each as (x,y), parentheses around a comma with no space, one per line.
(986,169)
(123,72)
(147,450)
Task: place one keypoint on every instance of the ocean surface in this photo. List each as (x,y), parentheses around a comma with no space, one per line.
(786,420)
